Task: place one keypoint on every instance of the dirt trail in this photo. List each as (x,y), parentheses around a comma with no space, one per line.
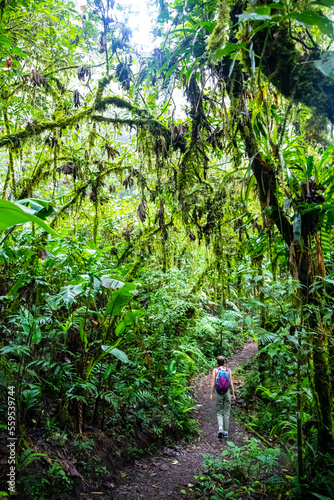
(165,473)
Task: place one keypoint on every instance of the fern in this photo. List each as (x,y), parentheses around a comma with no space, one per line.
(143,397)
(4,378)
(263,336)
(231,315)
(27,457)
(206,326)
(111,398)
(230,325)
(194,350)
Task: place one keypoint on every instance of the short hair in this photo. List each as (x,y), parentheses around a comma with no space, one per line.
(220,360)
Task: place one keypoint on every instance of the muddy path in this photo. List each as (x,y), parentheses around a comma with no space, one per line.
(168,471)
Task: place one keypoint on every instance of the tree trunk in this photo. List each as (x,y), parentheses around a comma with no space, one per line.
(302,264)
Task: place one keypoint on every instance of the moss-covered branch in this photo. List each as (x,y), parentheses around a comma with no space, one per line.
(151,124)
(16,139)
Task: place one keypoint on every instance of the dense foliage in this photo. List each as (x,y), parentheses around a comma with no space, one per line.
(158,209)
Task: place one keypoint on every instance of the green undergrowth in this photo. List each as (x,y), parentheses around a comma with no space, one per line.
(240,473)
(99,362)
(269,409)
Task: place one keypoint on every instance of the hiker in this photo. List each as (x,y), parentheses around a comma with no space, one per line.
(221,385)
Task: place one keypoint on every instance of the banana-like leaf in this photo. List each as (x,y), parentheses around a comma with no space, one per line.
(130,319)
(11,215)
(120,298)
(42,209)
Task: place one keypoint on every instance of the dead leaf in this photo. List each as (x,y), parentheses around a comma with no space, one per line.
(141,212)
(68,465)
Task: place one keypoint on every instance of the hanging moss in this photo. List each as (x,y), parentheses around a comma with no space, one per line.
(91,139)
(96,219)
(26,185)
(17,139)
(218,37)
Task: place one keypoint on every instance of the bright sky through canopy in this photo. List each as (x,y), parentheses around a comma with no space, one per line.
(140,22)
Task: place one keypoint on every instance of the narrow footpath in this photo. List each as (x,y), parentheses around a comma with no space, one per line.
(168,471)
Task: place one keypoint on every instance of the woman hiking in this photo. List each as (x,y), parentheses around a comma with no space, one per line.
(221,385)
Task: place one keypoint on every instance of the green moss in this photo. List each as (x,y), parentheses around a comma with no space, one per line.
(218,37)
(16,140)
(59,112)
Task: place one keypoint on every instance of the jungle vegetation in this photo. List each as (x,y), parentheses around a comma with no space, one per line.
(158,208)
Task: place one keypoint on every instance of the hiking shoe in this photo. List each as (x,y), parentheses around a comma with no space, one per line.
(225,434)
(220,434)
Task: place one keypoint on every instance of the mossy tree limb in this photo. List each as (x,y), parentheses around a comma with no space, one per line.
(16,139)
(153,125)
(293,72)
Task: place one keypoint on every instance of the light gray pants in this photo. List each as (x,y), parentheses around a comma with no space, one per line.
(223,405)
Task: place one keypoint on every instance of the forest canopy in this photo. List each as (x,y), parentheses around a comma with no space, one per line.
(161,205)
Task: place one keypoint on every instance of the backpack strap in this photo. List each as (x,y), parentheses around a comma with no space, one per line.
(226,371)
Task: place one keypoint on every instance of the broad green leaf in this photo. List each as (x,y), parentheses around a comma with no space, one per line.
(322,497)
(326,63)
(312,18)
(227,50)
(263,10)
(70,292)
(108,371)
(229,494)
(40,208)
(18,52)
(120,328)
(11,215)
(119,355)
(324,3)
(297,228)
(14,289)
(130,319)
(310,166)
(170,71)
(209,26)
(171,368)
(120,298)
(36,336)
(269,210)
